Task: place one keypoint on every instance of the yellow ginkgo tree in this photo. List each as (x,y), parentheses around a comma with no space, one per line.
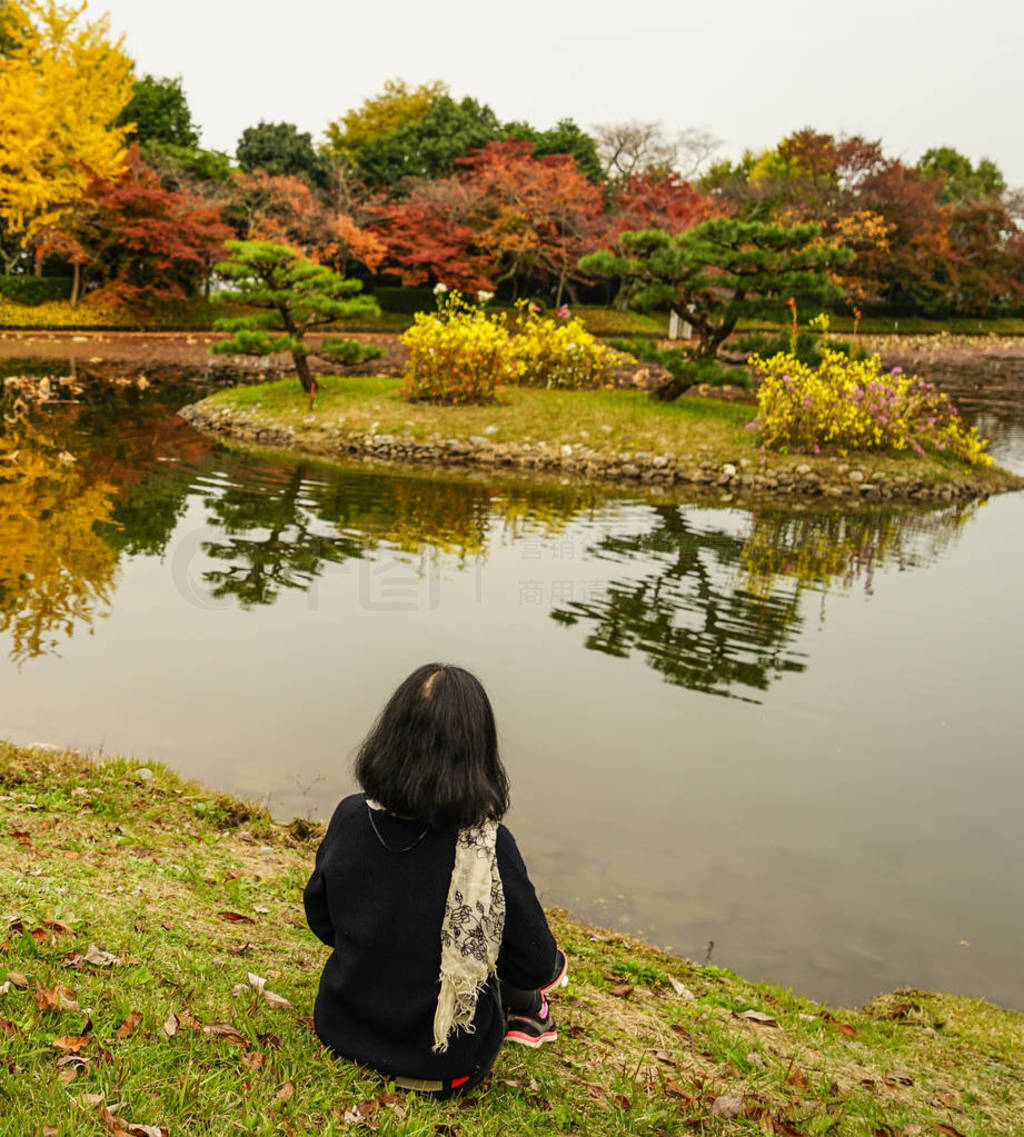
(63,82)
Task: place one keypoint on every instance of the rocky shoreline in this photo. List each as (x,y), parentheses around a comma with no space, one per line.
(829,479)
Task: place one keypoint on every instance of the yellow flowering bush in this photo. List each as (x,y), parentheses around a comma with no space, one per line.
(558,352)
(855,405)
(457,354)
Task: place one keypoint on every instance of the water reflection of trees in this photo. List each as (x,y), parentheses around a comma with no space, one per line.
(683,614)
(279,526)
(838,549)
(56,571)
(714,606)
(720,612)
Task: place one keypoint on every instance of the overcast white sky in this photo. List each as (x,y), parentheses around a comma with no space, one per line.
(915,73)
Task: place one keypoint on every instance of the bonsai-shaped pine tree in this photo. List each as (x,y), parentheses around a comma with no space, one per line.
(722,270)
(297,295)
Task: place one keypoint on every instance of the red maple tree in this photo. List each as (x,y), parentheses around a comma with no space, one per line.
(137,242)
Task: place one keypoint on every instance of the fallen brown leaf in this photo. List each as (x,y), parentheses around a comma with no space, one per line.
(236,918)
(225,1031)
(949,1130)
(845,1028)
(899,1078)
(672,1088)
(664,1056)
(286,1092)
(946,1102)
(758,1017)
(278,1002)
(7,1028)
(623,1103)
(797,1078)
(242,948)
(130,1025)
(360,1114)
(147,1130)
(59,927)
(254,1059)
(785,1128)
(71,1042)
(621,991)
(98,957)
(17,979)
(55,999)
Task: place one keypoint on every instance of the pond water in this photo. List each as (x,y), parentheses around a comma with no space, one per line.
(789,731)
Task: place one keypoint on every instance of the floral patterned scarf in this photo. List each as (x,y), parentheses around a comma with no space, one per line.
(474,919)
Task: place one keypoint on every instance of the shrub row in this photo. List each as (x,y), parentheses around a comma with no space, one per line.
(34,290)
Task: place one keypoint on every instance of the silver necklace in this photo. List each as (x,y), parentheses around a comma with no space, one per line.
(377,834)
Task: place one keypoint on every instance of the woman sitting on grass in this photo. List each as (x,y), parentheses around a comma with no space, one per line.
(441,949)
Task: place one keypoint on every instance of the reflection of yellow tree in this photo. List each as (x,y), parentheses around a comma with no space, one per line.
(54,567)
(457,517)
(840,548)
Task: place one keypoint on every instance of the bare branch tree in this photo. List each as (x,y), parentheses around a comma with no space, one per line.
(635,147)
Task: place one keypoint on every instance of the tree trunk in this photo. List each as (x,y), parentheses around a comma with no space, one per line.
(302,369)
(76,282)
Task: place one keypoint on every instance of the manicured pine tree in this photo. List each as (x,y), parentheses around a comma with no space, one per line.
(720,271)
(295,295)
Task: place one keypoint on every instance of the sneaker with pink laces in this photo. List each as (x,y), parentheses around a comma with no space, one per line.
(532,1030)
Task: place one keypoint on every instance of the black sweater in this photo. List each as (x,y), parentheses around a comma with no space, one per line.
(381,912)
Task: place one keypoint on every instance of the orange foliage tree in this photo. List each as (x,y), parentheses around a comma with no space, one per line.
(286,211)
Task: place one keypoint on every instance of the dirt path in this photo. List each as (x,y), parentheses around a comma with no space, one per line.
(142,350)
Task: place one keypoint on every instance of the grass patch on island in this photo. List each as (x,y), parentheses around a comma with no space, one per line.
(135,906)
(608,424)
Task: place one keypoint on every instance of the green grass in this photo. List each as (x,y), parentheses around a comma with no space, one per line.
(606,422)
(91,854)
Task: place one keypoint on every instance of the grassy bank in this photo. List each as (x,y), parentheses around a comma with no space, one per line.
(135,906)
(604,429)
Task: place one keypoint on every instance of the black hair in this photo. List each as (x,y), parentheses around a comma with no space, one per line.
(432,755)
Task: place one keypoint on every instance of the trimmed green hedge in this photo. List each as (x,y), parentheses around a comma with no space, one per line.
(410,300)
(33,290)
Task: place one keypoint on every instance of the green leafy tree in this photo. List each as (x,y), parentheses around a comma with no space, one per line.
(160,112)
(565,137)
(963,180)
(719,271)
(295,296)
(182,167)
(279,148)
(397,105)
(429,146)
